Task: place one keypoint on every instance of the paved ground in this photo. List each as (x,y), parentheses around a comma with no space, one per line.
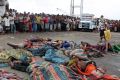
(112,63)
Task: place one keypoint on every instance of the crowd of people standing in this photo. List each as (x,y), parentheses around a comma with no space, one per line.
(14,21)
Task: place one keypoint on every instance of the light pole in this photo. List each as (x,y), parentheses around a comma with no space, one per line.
(72,8)
(81,12)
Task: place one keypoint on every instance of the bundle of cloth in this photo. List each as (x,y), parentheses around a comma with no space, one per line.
(95,51)
(56,56)
(5,75)
(36,42)
(40,51)
(116,48)
(89,70)
(3,65)
(79,69)
(20,65)
(40,70)
(100,46)
(13,54)
(32,42)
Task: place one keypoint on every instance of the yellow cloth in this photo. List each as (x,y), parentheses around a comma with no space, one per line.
(107,34)
(71,62)
(38,19)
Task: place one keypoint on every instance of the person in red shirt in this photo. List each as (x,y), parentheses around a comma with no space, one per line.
(46,23)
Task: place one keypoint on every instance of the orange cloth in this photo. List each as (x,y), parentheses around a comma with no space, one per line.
(88,70)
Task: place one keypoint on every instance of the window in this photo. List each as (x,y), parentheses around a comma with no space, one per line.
(85,25)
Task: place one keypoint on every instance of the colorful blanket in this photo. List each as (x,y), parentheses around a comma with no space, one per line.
(48,71)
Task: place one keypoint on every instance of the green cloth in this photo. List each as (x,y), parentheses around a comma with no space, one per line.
(116,48)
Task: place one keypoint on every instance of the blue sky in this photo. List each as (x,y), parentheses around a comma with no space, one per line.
(108,8)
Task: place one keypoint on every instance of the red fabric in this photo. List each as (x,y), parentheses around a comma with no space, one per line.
(30,27)
(109,77)
(46,20)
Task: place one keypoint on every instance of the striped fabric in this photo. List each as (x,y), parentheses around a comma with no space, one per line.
(48,71)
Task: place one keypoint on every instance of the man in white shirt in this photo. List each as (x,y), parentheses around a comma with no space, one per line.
(6,21)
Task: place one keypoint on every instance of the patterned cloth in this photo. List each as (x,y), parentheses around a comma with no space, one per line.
(5,75)
(47,71)
(19,54)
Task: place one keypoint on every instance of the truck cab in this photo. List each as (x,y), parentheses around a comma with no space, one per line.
(87,22)
(87,25)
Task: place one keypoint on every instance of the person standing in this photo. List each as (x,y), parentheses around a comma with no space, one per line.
(46,21)
(107,36)
(12,24)
(17,22)
(54,23)
(101,27)
(34,24)
(6,21)
(1,27)
(51,23)
(38,19)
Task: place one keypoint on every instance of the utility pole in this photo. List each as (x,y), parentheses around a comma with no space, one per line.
(81,11)
(72,8)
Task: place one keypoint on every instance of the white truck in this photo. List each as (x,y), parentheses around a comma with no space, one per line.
(88,22)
